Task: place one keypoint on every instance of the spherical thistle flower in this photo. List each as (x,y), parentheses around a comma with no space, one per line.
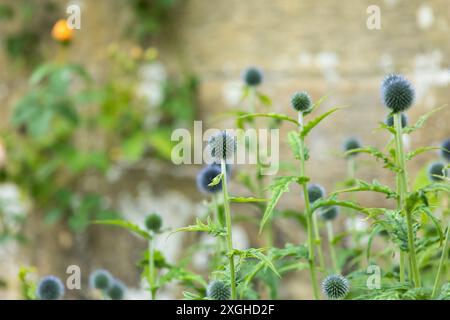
(50,288)
(437,171)
(445,152)
(397,93)
(205,176)
(117,290)
(315,192)
(222,146)
(153,222)
(335,287)
(351,144)
(329,213)
(218,290)
(253,76)
(390,120)
(301,101)
(100,279)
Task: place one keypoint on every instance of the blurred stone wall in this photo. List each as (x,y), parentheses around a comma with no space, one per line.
(323,47)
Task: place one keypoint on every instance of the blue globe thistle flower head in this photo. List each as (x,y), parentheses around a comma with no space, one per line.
(301,101)
(222,146)
(335,287)
(397,93)
(100,279)
(390,120)
(117,290)
(218,290)
(351,143)
(205,176)
(329,213)
(445,152)
(50,288)
(153,222)
(437,171)
(253,76)
(315,192)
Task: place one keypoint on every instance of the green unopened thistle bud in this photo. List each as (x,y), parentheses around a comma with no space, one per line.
(335,287)
(218,290)
(100,279)
(253,76)
(117,290)
(301,101)
(153,222)
(351,144)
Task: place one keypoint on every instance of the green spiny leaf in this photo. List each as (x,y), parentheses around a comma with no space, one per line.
(374,186)
(388,163)
(278,187)
(295,144)
(126,225)
(245,200)
(257,254)
(311,124)
(422,120)
(269,115)
(210,227)
(418,151)
(217,179)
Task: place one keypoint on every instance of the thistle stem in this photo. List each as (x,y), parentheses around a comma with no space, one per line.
(331,244)
(441,262)
(402,266)
(351,167)
(259,177)
(399,208)
(309,218)
(318,241)
(226,205)
(151,267)
(220,245)
(403,185)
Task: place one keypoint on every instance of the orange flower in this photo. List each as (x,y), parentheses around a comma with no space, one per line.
(61,32)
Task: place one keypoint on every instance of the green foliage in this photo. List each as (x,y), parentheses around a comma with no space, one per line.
(27,286)
(128,226)
(306,129)
(375,186)
(247,199)
(419,123)
(49,101)
(276,116)
(210,227)
(32,21)
(255,254)
(149,17)
(278,187)
(294,141)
